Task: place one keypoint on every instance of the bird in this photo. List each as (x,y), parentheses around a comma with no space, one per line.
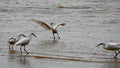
(50,27)
(24,41)
(111,47)
(13,40)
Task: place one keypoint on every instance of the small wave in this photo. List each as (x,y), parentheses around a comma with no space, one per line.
(76,59)
(73,7)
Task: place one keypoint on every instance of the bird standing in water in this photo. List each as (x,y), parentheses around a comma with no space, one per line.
(13,40)
(24,41)
(111,47)
(50,27)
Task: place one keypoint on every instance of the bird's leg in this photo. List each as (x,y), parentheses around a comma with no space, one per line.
(21,50)
(53,36)
(9,46)
(25,50)
(12,47)
(116,54)
(58,35)
(118,51)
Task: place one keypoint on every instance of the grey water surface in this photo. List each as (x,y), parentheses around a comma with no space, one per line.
(88,23)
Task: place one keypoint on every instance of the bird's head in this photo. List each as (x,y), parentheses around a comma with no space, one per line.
(51,23)
(33,35)
(100,44)
(14,38)
(63,24)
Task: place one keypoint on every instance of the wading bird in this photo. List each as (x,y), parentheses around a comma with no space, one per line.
(111,47)
(13,40)
(50,27)
(24,41)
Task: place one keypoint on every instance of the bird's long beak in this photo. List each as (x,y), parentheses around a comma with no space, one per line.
(34,35)
(98,45)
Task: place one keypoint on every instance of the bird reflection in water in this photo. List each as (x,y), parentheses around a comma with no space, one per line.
(18,61)
(114,64)
(24,61)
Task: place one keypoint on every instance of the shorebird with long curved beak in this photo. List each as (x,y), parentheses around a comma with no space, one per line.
(24,41)
(13,40)
(50,27)
(111,47)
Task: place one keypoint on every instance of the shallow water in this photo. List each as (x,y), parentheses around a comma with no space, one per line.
(88,23)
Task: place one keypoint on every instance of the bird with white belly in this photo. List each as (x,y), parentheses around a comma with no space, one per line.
(13,40)
(111,47)
(24,41)
(50,27)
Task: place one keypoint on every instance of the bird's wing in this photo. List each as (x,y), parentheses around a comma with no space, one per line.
(113,47)
(115,44)
(22,41)
(62,24)
(43,24)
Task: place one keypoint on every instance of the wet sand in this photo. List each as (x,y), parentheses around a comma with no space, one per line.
(88,23)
